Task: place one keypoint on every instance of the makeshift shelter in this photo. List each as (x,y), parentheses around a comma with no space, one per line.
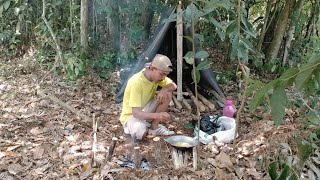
(164,42)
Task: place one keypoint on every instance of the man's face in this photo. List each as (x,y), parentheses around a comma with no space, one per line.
(159,75)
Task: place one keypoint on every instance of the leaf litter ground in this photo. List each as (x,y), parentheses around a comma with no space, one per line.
(41,139)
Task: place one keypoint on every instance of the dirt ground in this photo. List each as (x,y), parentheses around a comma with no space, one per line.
(46,132)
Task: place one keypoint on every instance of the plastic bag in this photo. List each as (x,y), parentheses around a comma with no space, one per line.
(209,124)
(224,136)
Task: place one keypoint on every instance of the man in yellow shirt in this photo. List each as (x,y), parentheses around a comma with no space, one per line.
(143,110)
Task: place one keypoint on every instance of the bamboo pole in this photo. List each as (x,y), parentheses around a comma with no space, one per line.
(176,102)
(179,51)
(186,104)
(206,102)
(196,102)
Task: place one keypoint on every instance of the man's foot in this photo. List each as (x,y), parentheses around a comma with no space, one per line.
(161,130)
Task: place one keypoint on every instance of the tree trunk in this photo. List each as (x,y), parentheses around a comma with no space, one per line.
(84,27)
(146,18)
(264,28)
(294,20)
(114,25)
(279,32)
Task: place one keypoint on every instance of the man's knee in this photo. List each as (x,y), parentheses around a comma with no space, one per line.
(139,129)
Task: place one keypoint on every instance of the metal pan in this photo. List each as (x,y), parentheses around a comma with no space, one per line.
(181,141)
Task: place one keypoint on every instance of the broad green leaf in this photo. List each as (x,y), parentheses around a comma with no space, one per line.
(289,76)
(197,77)
(285,173)
(259,96)
(278,103)
(243,52)
(6,4)
(253,85)
(234,39)
(307,70)
(232,27)
(203,65)
(215,23)
(303,78)
(189,38)
(189,57)
(202,55)
(272,169)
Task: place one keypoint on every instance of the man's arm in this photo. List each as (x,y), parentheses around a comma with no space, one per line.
(139,114)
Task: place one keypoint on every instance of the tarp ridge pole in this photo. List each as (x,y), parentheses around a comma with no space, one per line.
(179,51)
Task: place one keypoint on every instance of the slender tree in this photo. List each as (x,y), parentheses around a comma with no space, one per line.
(84,26)
(279,32)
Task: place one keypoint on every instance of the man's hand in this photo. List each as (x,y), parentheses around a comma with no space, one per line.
(163,117)
(163,96)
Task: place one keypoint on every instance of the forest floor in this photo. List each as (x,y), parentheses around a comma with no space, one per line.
(41,138)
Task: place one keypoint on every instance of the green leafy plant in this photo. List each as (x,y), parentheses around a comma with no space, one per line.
(74,65)
(105,64)
(306,78)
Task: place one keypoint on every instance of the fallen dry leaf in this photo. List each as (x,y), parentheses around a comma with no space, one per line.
(14,169)
(224,160)
(6,153)
(36,131)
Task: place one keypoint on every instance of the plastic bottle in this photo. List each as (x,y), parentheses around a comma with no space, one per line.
(228,109)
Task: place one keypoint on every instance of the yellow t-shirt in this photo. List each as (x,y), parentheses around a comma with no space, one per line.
(138,93)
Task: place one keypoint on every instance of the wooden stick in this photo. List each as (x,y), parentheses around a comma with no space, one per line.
(206,102)
(136,157)
(179,51)
(58,49)
(195,157)
(175,93)
(185,158)
(218,97)
(176,102)
(63,104)
(175,158)
(196,101)
(180,158)
(94,143)
(111,149)
(186,104)
(157,146)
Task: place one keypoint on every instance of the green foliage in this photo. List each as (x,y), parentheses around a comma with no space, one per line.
(303,79)
(105,64)
(285,171)
(75,66)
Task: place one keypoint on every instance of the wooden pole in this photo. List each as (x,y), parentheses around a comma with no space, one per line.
(206,102)
(176,102)
(185,103)
(157,153)
(196,102)
(111,149)
(179,51)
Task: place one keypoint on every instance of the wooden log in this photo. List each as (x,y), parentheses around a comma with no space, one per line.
(217,96)
(195,157)
(196,101)
(157,146)
(186,104)
(179,51)
(206,102)
(175,158)
(176,102)
(136,157)
(175,93)
(111,148)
